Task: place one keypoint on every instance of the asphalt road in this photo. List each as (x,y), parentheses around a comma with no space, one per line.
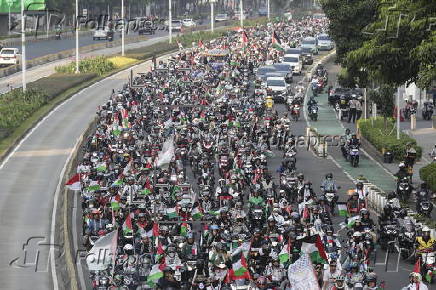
(41,48)
(30,176)
(29,179)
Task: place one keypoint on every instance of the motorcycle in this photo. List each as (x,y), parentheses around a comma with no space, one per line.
(424,207)
(406,241)
(295,112)
(353,155)
(388,237)
(404,189)
(313,112)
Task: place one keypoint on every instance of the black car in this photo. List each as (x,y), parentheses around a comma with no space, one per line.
(147,28)
(307,55)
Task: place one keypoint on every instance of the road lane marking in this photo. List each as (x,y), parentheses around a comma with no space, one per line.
(43,153)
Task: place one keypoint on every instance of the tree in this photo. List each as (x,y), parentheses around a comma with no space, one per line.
(401,44)
(347,21)
(384,98)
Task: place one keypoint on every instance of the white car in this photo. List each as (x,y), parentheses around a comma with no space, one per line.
(176,25)
(221,17)
(188,22)
(9,56)
(324,42)
(277,88)
(295,61)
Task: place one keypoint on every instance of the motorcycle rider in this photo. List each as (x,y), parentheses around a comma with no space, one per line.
(331,275)
(274,270)
(415,282)
(329,184)
(365,219)
(371,282)
(189,248)
(425,241)
(345,141)
(168,281)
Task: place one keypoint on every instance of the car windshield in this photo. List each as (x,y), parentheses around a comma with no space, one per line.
(309,41)
(290,59)
(264,70)
(282,67)
(221,16)
(293,51)
(306,49)
(176,22)
(7,51)
(323,37)
(276,83)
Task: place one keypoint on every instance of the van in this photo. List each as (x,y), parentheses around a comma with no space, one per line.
(310,42)
(295,61)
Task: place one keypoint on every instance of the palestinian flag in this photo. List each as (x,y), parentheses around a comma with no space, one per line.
(74,182)
(147,187)
(115,202)
(101,167)
(200,44)
(118,182)
(172,213)
(159,252)
(276,42)
(127,226)
(239,267)
(154,232)
(342,209)
(284,254)
(315,248)
(116,131)
(93,186)
(155,274)
(244,37)
(196,213)
(352,221)
(184,229)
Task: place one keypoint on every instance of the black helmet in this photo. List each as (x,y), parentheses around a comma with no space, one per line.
(359,185)
(329,175)
(300,176)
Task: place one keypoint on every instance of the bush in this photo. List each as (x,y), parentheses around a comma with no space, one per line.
(386,139)
(55,84)
(121,61)
(16,106)
(99,65)
(428,175)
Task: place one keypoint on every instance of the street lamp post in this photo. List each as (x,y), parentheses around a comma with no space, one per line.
(398,114)
(212,16)
(170,20)
(23,45)
(77,36)
(241,12)
(122,28)
(268,8)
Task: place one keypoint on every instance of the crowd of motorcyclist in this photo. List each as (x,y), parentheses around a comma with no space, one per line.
(179,167)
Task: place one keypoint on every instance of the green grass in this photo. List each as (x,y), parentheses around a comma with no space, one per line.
(10,141)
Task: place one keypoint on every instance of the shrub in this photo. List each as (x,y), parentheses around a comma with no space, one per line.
(385,139)
(121,61)
(99,65)
(16,106)
(428,175)
(55,84)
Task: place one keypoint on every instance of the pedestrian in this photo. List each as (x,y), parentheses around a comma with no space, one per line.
(352,113)
(358,109)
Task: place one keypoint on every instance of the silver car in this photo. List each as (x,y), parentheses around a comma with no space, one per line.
(324,42)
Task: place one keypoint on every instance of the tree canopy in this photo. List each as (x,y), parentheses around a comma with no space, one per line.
(397,44)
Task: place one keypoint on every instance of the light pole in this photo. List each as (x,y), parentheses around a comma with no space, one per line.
(9,2)
(212,17)
(268,8)
(241,12)
(170,20)
(77,36)
(398,114)
(23,45)
(122,28)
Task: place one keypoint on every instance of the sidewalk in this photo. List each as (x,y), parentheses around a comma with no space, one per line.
(328,124)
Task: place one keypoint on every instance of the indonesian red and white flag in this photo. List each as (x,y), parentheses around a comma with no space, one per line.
(244,37)
(74,182)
